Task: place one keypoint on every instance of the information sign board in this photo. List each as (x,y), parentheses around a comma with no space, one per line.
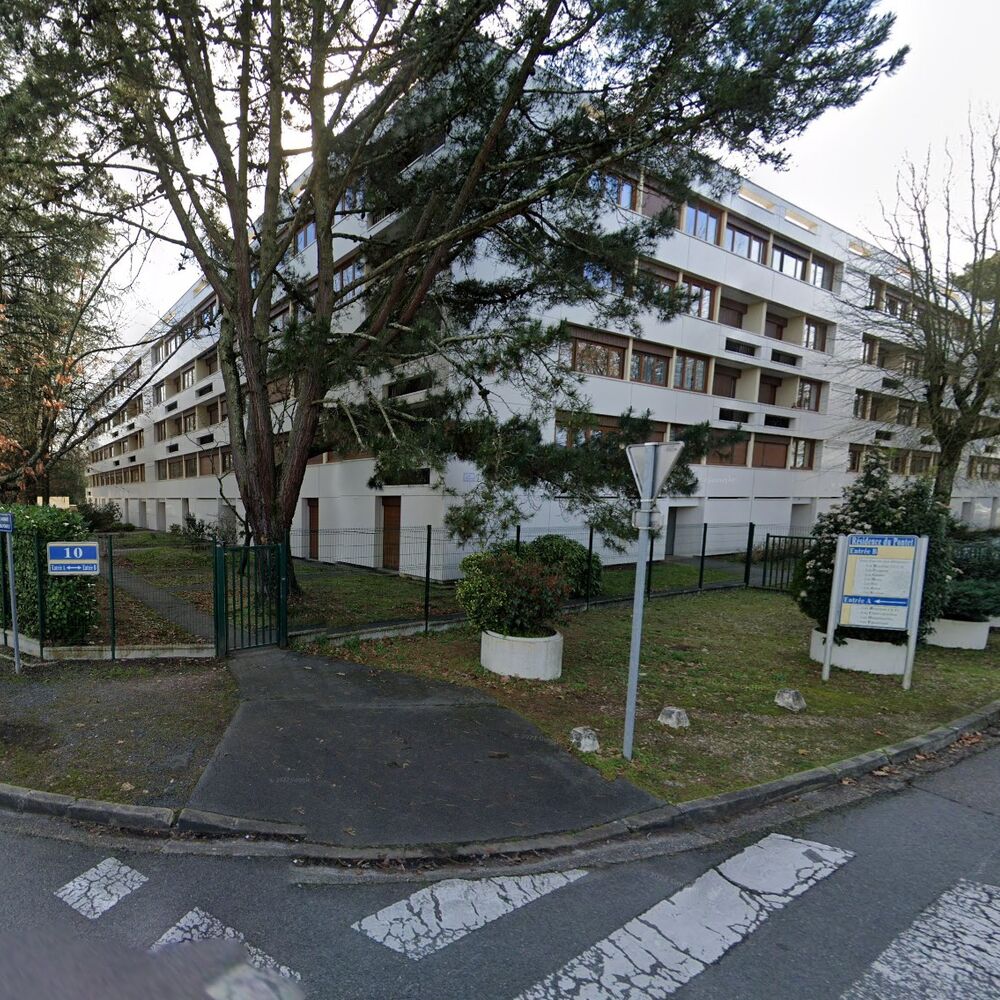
(73,558)
(6,521)
(878,581)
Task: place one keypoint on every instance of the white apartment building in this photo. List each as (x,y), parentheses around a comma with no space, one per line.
(772,344)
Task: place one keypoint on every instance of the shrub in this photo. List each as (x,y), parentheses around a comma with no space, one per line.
(972,601)
(70,602)
(978,562)
(873,504)
(568,558)
(101,516)
(510,594)
(195,531)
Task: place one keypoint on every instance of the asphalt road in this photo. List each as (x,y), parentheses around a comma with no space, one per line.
(894,897)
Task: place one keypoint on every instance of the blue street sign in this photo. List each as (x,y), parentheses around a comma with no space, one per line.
(6,521)
(73,558)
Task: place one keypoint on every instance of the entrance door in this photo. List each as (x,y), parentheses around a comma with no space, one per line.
(312,511)
(671,536)
(390,532)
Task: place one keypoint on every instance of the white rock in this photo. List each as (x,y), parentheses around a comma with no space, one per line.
(791,699)
(675,718)
(584,739)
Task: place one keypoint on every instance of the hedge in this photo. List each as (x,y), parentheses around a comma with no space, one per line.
(70,602)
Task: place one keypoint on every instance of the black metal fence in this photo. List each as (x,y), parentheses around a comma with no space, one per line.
(779,559)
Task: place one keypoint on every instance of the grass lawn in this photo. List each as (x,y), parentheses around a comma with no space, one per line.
(619,581)
(722,656)
(130,732)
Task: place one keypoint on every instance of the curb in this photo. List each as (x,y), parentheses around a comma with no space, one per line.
(165,822)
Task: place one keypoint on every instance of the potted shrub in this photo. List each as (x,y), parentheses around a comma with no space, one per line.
(873,504)
(965,621)
(980,561)
(570,559)
(513,600)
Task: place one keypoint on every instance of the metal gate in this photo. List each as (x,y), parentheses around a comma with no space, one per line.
(781,555)
(251,597)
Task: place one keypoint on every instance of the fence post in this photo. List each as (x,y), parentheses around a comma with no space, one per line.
(3,594)
(40,587)
(517,540)
(283,595)
(765,563)
(701,564)
(111,593)
(219,600)
(590,563)
(746,569)
(427,582)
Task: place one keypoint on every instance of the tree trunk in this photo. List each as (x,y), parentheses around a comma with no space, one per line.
(948,465)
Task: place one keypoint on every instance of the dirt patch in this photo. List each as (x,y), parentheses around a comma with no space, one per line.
(130,732)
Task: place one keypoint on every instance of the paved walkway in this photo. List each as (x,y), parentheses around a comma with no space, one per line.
(364,757)
(167,605)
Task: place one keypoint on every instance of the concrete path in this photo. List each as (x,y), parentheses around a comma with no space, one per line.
(167,605)
(362,757)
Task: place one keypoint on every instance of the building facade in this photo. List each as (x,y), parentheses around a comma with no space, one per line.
(777,341)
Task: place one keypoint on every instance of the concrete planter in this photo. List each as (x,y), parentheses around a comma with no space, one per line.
(538,659)
(953,634)
(861,654)
(995,621)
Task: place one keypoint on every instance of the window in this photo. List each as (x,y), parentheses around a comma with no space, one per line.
(724,381)
(208,464)
(690,372)
(770,452)
(731,313)
(703,222)
(206,317)
(211,364)
(772,420)
(191,465)
(814,336)
(920,463)
(189,422)
(769,386)
(596,353)
(821,273)
(896,307)
(353,199)
(897,463)
(872,351)
(788,262)
(161,431)
(227,460)
(854,455)
(620,190)
(808,396)
(784,358)
(727,454)
(860,399)
(175,469)
(738,347)
(910,365)
(600,277)
(745,244)
(774,327)
(649,365)
(348,275)
(410,384)
(158,393)
(187,378)
(736,416)
(213,414)
(905,413)
(802,453)
(702,297)
(305,237)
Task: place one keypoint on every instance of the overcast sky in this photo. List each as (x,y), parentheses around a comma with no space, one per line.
(844,164)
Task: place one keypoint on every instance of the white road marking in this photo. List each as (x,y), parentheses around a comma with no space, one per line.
(439,915)
(950,952)
(197,925)
(655,954)
(101,887)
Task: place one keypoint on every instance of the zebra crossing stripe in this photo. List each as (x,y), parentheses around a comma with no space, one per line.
(950,952)
(197,925)
(101,887)
(655,954)
(439,915)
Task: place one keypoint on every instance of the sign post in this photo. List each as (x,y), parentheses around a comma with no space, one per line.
(7,529)
(651,464)
(878,582)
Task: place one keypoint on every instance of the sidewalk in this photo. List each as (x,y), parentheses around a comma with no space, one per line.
(365,758)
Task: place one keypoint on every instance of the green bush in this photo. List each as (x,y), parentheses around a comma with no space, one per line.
(972,600)
(873,505)
(70,602)
(510,594)
(100,516)
(568,558)
(978,562)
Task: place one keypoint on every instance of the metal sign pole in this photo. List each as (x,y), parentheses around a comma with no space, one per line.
(645,505)
(916,601)
(13,601)
(836,601)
